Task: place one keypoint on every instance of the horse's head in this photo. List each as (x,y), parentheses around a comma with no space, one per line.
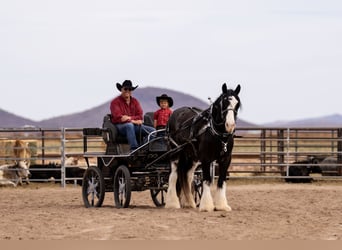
(225,108)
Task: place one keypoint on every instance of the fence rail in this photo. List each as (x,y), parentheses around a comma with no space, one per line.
(258,152)
(262,151)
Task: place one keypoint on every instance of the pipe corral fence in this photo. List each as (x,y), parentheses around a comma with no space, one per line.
(259,152)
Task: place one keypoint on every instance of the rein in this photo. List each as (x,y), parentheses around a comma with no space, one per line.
(189,124)
(191,138)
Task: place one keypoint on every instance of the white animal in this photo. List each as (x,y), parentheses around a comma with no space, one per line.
(22,152)
(12,175)
(71,161)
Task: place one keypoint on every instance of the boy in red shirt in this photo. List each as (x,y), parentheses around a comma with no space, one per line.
(162,115)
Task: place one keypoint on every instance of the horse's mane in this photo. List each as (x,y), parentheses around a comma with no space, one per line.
(185,127)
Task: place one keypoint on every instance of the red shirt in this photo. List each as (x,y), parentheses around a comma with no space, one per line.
(119,107)
(162,116)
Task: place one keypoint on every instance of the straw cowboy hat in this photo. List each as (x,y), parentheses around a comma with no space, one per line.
(165,97)
(126,84)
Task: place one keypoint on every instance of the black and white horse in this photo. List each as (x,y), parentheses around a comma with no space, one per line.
(199,138)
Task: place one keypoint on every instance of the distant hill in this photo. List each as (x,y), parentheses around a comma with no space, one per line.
(9,120)
(93,117)
(334,120)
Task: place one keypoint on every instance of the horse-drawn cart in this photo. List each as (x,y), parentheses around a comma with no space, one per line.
(169,163)
(120,171)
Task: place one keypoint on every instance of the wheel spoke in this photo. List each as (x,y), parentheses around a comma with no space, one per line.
(158,197)
(122,188)
(93,187)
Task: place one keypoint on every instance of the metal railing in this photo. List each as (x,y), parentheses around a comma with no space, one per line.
(259,152)
(273,151)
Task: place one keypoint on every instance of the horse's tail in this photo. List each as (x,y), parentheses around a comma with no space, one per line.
(184,165)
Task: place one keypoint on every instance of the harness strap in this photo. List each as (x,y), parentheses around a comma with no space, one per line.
(210,125)
(196,119)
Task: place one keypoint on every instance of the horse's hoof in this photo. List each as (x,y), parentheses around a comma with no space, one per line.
(202,209)
(206,208)
(193,205)
(172,204)
(223,208)
(190,204)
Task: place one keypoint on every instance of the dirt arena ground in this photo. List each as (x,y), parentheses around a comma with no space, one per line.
(261,210)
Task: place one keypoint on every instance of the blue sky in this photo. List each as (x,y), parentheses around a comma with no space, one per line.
(65,56)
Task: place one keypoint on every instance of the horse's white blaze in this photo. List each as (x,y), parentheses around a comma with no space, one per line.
(171,199)
(207,203)
(230,117)
(220,200)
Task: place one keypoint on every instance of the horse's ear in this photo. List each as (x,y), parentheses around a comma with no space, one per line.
(237,90)
(224,88)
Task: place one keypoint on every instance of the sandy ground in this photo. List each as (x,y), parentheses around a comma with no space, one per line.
(261,210)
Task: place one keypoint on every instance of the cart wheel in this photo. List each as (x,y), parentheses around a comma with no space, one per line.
(197,188)
(93,187)
(158,197)
(122,187)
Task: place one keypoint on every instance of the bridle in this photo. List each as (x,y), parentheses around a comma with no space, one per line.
(223,136)
(223,113)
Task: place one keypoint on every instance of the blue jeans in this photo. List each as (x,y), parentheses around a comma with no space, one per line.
(132,131)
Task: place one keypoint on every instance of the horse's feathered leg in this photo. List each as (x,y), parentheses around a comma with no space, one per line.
(171,199)
(186,198)
(207,204)
(220,199)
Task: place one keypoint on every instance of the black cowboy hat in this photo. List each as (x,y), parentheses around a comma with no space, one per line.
(165,97)
(126,84)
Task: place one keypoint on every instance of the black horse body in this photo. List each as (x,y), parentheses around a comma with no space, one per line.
(200,138)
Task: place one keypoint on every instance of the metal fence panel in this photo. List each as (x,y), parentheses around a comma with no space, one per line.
(259,152)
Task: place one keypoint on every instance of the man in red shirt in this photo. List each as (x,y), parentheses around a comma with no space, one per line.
(127,114)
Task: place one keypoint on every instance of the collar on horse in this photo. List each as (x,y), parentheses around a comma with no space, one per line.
(223,137)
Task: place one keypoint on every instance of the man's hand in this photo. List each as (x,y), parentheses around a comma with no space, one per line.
(137,122)
(125,118)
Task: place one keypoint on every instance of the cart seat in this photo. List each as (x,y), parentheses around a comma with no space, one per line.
(111,134)
(148,119)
